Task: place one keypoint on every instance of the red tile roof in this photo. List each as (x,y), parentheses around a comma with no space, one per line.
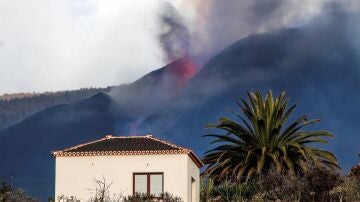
(127,145)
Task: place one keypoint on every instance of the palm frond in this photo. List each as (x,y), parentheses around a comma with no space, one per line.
(260,140)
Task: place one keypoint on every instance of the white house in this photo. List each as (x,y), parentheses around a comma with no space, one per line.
(133,164)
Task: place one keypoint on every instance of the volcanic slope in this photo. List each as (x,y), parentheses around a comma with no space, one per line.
(25,147)
(319,70)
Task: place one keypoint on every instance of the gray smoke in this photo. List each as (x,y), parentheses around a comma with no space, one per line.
(221,23)
(174,36)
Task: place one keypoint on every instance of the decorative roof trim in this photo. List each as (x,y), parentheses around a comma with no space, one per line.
(118,153)
(54,153)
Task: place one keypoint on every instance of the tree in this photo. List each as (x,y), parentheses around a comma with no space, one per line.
(263,139)
(8,193)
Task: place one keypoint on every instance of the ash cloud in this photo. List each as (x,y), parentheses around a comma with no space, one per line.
(174,36)
(328,38)
(221,23)
(224,22)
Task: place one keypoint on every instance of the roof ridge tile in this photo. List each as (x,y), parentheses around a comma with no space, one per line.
(168,143)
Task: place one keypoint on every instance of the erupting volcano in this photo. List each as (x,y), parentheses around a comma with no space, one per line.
(183,70)
(168,84)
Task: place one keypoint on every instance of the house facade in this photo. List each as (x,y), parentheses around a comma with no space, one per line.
(133,164)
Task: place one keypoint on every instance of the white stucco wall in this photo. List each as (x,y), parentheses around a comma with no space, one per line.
(193,173)
(75,175)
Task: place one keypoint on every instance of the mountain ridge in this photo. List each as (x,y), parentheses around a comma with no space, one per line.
(16,107)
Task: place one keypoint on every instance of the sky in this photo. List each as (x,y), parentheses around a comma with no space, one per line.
(70,44)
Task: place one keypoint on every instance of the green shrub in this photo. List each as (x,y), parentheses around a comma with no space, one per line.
(236,191)
(355,171)
(346,191)
(63,198)
(8,193)
(281,186)
(165,197)
(317,184)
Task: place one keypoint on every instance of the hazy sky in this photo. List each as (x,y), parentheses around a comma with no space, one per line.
(55,45)
(69,44)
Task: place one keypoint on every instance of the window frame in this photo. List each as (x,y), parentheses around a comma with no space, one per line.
(148,188)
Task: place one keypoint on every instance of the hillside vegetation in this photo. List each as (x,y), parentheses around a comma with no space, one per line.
(16,107)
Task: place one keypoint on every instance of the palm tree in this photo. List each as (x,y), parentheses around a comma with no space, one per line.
(263,140)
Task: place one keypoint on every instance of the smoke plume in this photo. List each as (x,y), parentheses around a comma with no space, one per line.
(217,24)
(174,37)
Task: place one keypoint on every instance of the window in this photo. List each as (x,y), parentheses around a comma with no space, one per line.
(149,183)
